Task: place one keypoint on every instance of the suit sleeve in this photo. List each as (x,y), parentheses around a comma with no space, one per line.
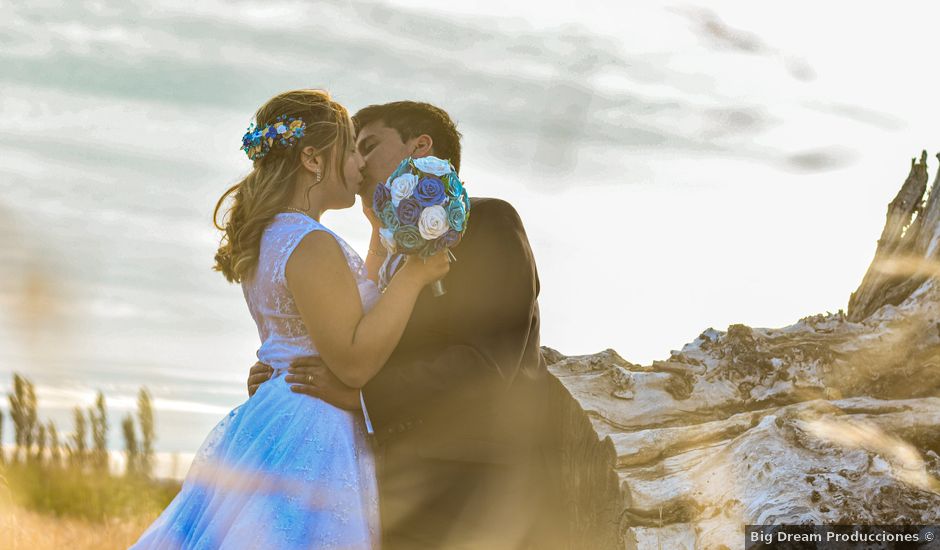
(493,318)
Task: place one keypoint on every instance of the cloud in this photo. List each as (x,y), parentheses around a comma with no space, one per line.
(514,81)
(720,35)
(539,96)
(858,113)
(820,160)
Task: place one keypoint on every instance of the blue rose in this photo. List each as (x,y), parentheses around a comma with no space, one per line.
(408,238)
(456,215)
(429,192)
(380,198)
(433,165)
(409,211)
(389,217)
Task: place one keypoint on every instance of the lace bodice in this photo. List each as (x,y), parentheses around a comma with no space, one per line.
(283,334)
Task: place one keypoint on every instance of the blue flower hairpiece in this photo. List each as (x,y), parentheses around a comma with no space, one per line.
(284,131)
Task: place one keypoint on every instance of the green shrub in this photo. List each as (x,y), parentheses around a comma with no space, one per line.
(85,493)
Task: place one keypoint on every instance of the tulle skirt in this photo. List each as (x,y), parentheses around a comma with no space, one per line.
(283,470)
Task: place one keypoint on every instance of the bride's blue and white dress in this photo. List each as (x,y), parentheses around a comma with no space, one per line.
(283,470)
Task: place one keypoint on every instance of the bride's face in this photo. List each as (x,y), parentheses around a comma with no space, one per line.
(343,193)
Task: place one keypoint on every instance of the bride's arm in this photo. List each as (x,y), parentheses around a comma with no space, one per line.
(354,344)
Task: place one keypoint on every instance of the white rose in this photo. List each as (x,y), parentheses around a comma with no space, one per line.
(387,236)
(433,222)
(433,165)
(402,187)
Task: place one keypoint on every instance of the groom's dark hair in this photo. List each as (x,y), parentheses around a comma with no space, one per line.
(413,118)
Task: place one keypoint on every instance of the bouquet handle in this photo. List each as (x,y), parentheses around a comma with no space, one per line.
(437,287)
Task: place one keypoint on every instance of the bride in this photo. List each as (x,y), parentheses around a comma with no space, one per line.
(283,470)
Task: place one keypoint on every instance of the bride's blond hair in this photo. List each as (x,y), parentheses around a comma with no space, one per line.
(268,188)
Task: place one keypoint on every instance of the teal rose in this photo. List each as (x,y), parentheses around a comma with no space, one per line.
(408,238)
(389,217)
(403,168)
(456,215)
(454,187)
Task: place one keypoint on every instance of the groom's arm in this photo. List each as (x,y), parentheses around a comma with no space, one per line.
(493,324)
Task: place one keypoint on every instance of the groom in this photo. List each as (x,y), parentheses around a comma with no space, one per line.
(456,409)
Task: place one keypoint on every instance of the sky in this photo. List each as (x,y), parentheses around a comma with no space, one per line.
(677,167)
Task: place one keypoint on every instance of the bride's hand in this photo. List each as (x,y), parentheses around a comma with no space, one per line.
(424,271)
(370,214)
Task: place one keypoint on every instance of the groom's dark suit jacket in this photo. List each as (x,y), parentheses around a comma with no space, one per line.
(463,382)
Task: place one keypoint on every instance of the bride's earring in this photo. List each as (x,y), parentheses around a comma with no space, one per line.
(309,189)
(307,197)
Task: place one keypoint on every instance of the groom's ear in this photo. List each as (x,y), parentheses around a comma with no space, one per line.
(424,146)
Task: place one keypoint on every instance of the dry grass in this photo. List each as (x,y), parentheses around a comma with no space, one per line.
(22,529)
(77,508)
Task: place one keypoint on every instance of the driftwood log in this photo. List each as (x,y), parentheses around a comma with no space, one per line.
(834,419)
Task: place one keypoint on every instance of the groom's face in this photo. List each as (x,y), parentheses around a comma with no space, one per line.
(382,149)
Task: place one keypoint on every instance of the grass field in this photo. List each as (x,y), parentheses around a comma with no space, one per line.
(43,507)
(24,529)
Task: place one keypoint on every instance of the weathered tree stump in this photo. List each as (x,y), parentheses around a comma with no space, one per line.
(834,419)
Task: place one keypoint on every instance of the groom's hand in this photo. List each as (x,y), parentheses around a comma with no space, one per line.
(310,376)
(259,374)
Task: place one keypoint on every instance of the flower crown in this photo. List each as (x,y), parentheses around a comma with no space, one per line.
(284,131)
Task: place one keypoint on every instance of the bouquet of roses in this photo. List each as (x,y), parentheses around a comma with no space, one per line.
(424,209)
